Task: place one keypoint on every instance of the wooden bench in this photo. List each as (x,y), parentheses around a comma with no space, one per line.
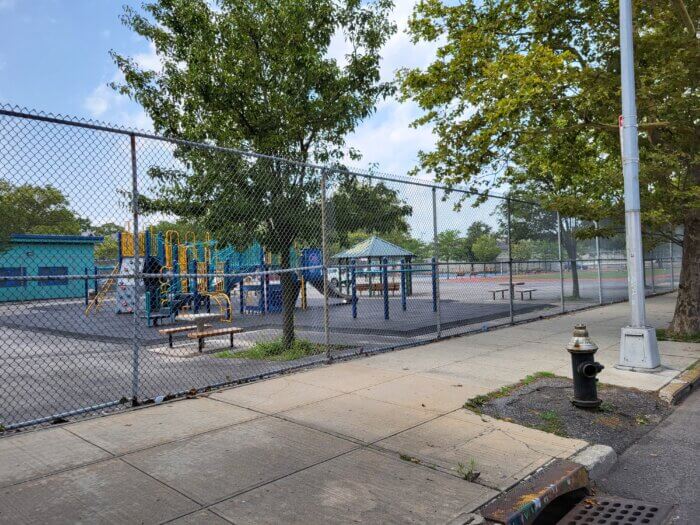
(178,329)
(524,291)
(502,291)
(200,336)
(377,287)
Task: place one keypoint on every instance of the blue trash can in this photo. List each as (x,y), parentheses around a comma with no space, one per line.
(274,298)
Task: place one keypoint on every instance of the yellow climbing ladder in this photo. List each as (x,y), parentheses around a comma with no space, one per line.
(100,294)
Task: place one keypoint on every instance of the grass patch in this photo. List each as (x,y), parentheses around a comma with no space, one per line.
(664,335)
(275,351)
(606,406)
(468,472)
(476,403)
(551,423)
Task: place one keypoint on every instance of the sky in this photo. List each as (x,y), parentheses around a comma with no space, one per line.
(54,57)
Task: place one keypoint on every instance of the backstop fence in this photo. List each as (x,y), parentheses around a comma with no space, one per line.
(136,268)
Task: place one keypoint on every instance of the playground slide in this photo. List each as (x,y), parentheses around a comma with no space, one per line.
(332,290)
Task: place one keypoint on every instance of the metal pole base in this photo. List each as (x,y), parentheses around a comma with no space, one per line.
(580,403)
(639,351)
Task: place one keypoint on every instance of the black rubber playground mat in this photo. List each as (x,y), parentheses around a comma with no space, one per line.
(69,319)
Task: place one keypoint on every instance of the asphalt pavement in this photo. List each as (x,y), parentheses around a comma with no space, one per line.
(664,465)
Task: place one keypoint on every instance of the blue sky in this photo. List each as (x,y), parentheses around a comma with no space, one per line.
(54,57)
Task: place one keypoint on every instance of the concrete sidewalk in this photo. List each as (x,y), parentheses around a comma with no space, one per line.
(381,439)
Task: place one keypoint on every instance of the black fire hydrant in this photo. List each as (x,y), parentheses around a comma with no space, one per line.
(584,368)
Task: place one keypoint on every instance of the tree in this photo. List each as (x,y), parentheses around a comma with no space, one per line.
(531,91)
(521,250)
(28,208)
(107,250)
(255,74)
(451,246)
(486,248)
(476,229)
(361,206)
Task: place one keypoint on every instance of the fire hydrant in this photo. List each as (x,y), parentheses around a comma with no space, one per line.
(584,368)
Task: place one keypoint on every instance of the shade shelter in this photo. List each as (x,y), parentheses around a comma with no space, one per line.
(373,251)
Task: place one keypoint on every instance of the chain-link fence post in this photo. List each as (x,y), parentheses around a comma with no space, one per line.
(653,283)
(670,252)
(511,292)
(324,249)
(436,254)
(561,265)
(135,357)
(599,265)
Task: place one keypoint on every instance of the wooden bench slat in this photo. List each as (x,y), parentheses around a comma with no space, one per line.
(178,329)
(218,331)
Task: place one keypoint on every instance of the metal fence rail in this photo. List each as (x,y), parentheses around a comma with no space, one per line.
(135,268)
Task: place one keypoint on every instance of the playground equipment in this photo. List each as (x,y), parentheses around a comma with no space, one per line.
(187,275)
(178,276)
(387,281)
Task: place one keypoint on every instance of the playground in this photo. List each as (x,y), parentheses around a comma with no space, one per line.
(196,298)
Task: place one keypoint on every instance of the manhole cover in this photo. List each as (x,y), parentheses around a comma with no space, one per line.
(612,510)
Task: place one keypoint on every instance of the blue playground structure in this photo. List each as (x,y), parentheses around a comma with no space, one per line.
(189,275)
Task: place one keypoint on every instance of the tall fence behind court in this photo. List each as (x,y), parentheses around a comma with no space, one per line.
(237,234)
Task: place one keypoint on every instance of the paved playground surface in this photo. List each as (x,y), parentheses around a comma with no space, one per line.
(377,439)
(57,360)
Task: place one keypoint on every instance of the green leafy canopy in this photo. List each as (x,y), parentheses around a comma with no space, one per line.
(527,93)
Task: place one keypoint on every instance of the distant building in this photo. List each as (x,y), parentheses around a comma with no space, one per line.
(46,256)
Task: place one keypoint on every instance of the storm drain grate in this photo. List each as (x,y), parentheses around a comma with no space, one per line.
(612,510)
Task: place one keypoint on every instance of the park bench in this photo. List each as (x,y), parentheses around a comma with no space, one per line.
(523,291)
(200,336)
(178,329)
(502,291)
(377,287)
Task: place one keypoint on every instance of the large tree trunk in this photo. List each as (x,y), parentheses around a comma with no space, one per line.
(686,318)
(290,292)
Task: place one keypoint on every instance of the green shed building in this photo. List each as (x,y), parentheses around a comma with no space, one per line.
(46,256)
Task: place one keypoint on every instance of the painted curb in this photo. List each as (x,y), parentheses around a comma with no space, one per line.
(681,387)
(596,459)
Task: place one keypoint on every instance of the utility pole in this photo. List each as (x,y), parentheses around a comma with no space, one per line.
(638,347)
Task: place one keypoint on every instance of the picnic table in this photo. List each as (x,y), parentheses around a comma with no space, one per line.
(508,286)
(522,292)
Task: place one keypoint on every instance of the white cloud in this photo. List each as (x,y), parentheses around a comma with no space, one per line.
(106,104)
(387,138)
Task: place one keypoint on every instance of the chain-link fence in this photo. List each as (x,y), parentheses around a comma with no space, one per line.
(135,268)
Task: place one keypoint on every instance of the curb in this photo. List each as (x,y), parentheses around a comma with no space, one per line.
(681,387)
(596,459)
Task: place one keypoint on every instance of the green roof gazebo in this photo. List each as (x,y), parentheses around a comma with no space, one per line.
(375,249)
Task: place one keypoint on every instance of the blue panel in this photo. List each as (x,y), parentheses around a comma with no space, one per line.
(53,270)
(12,271)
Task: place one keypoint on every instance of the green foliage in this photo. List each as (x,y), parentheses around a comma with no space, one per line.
(28,208)
(521,250)
(275,350)
(531,91)
(451,246)
(486,249)
(359,206)
(526,95)
(107,250)
(552,423)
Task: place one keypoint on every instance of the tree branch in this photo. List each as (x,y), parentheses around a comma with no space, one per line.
(685,17)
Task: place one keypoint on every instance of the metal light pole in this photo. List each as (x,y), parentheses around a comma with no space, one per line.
(638,347)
